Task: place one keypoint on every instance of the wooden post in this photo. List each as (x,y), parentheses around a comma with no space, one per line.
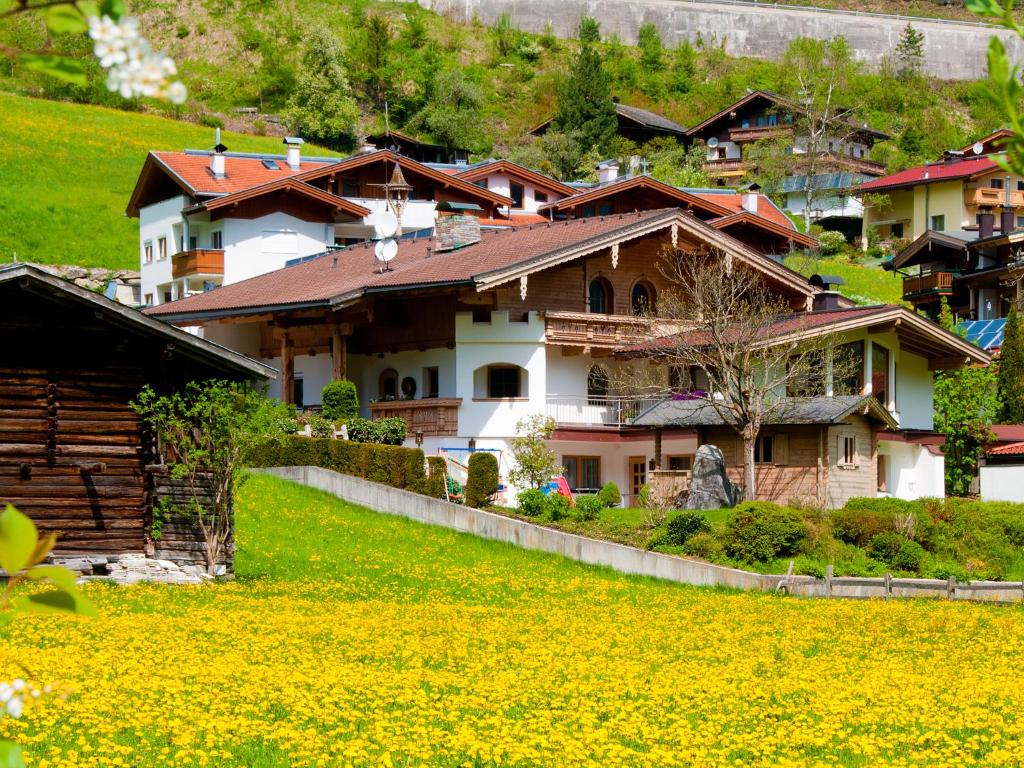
(287,369)
(657,449)
(828,580)
(951,587)
(339,353)
(888,584)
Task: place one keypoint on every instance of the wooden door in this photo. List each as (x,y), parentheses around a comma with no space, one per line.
(637,473)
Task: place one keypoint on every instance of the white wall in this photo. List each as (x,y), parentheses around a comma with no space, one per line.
(914,391)
(1002,483)
(502,182)
(417,215)
(912,471)
(156,221)
(365,371)
(257,246)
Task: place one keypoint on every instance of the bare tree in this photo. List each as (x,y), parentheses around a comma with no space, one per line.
(735,347)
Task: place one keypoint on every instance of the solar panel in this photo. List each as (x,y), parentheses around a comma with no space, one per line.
(270,165)
(987,334)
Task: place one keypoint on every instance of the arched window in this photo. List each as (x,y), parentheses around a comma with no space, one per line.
(600,296)
(642,298)
(597,384)
(500,381)
(387,385)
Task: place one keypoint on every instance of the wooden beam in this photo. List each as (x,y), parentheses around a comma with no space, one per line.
(947,363)
(287,369)
(339,351)
(885,327)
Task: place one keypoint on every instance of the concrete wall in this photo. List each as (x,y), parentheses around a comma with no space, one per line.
(1002,483)
(953,50)
(618,557)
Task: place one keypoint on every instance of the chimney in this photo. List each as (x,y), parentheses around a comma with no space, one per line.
(607,172)
(986,220)
(367,149)
(1007,220)
(454,231)
(751,194)
(294,145)
(217,158)
(826,300)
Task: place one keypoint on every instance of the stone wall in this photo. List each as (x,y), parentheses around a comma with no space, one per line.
(953,50)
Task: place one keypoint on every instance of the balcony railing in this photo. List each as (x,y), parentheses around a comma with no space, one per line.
(433,416)
(725,166)
(198,261)
(757,132)
(609,411)
(935,282)
(593,330)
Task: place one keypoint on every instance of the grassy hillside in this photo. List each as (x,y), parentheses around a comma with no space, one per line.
(865,283)
(68,170)
(353,638)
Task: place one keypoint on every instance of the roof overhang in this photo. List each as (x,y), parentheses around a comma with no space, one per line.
(151,168)
(514,169)
(760,222)
(288,184)
(683,198)
(925,241)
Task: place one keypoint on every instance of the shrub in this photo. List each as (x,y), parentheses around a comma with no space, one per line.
(339,400)
(531,502)
(759,531)
(705,546)
(610,495)
(211,121)
(831,243)
(556,507)
(389,431)
(482,479)
(909,557)
(859,526)
(686,524)
(361,430)
(320,427)
(389,464)
(434,485)
(885,546)
(588,507)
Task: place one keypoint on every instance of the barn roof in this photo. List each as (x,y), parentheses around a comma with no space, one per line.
(30,278)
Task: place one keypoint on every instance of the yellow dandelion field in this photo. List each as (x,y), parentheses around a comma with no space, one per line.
(357,639)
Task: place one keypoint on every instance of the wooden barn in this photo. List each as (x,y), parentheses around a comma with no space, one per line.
(74,456)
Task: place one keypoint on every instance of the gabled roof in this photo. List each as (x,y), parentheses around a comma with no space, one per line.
(930,173)
(733,201)
(481,170)
(994,142)
(956,241)
(1010,449)
(407,164)
(287,184)
(342,277)
(785,411)
(187,344)
(642,117)
(628,183)
(190,172)
(917,334)
(750,219)
(407,138)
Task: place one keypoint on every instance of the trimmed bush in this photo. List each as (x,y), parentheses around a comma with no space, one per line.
(339,400)
(686,524)
(705,546)
(610,495)
(434,483)
(759,531)
(390,431)
(482,479)
(532,502)
(388,464)
(320,427)
(556,507)
(588,507)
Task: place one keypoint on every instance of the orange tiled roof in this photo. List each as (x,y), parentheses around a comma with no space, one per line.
(239,172)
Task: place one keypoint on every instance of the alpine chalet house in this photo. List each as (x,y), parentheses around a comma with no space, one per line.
(209,218)
(466,333)
(633,123)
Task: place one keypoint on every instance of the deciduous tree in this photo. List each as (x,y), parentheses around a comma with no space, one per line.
(534,463)
(322,108)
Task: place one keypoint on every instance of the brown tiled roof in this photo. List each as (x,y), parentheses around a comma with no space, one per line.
(239,172)
(344,274)
(707,203)
(752,219)
(766,209)
(1010,449)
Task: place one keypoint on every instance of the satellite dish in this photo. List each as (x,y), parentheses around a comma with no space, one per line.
(385,224)
(385,250)
(713,142)
(978,147)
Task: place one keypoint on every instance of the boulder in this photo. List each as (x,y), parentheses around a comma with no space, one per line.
(710,486)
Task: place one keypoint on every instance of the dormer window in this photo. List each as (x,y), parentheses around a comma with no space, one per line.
(271,165)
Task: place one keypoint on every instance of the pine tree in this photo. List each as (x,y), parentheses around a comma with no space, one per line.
(910,52)
(652,53)
(1011,370)
(589,30)
(585,106)
(321,107)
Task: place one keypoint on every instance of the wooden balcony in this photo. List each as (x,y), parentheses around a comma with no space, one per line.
(758,132)
(433,416)
(198,261)
(582,329)
(940,283)
(725,167)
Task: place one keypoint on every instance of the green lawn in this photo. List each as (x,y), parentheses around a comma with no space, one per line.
(68,170)
(865,283)
(355,639)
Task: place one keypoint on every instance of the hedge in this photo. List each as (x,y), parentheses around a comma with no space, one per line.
(391,465)
(482,479)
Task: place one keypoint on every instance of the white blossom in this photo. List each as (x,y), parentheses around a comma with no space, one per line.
(133,68)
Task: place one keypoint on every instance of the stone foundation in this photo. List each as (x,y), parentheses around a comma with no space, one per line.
(133,568)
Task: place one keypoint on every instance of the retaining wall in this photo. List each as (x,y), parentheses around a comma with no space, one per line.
(619,557)
(954,50)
